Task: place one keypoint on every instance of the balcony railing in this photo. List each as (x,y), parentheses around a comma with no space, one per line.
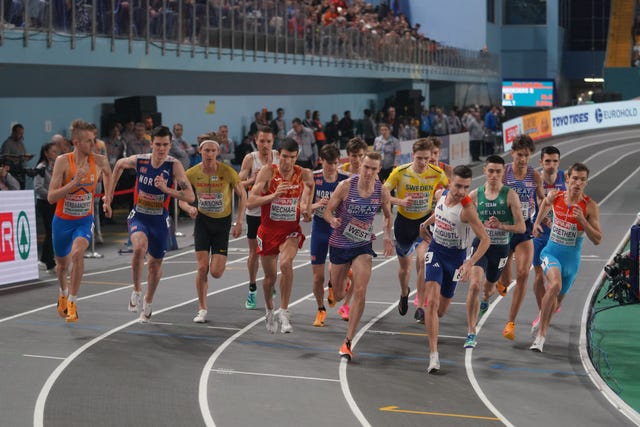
(267,30)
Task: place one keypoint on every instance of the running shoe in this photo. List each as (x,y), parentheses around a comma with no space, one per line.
(434,363)
(331,299)
(250,303)
(419,315)
(535,326)
(502,290)
(537,345)
(471,341)
(509,331)
(72,312)
(344,312)
(484,306)
(403,305)
(285,325)
(135,302)
(145,315)
(62,306)
(345,350)
(201,317)
(319,322)
(271,322)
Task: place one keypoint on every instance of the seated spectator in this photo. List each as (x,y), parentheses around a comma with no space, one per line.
(180,149)
(7,182)
(115,144)
(243,149)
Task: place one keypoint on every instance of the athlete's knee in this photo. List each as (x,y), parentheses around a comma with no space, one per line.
(203,270)
(217,273)
(286,264)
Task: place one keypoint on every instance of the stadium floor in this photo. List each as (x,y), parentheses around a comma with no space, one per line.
(107,369)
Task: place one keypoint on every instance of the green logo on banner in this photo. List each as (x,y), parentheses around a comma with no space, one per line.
(24,235)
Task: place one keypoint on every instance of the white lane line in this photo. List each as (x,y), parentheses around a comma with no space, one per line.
(417,334)
(223,328)
(259,374)
(43,357)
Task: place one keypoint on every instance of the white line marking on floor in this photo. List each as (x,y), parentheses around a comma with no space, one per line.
(258,374)
(43,357)
(223,328)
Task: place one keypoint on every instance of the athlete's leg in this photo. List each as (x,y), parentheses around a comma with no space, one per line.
(361,267)
(318,283)
(202,285)
(270,268)
(431,315)
(538,284)
(288,251)
(252,260)
(154,265)
(140,244)
(473,297)
(550,300)
(421,250)
(524,257)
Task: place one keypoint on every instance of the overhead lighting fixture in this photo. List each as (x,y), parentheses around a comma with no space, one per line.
(593,80)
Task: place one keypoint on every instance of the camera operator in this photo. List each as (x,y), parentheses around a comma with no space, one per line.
(7,181)
(44,209)
(15,154)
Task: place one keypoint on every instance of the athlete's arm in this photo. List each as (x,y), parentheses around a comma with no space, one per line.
(245,171)
(591,224)
(386,232)
(236,231)
(539,187)
(121,165)
(470,216)
(256,198)
(306,202)
(56,190)
(543,209)
(336,198)
(102,162)
(516,212)
(183,190)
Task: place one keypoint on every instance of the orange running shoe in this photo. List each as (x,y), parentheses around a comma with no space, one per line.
(345,350)
(62,306)
(509,331)
(502,290)
(319,322)
(331,299)
(72,313)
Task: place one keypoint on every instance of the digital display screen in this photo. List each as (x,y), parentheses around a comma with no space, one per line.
(527,93)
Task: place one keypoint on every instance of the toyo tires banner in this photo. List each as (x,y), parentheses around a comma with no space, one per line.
(562,121)
(18,237)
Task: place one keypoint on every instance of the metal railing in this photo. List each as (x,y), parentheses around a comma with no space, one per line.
(267,30)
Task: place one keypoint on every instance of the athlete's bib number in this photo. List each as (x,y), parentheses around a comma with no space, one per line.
(564,233)
(358,231)
(419,203)
(525,210)
(77,204)
(428,257)
(502,262)
(456,275)
(284,209)
(211,203)
(150,204)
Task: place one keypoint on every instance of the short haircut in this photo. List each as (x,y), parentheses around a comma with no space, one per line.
(422,144)
(289,144)
(356,144)
(265,129)
(161,131)
(494,159)
(549,150)
(330,153)
(79,125)
(578,167)
(373,155)
(384,125)
(437,142)
(463,171)
(16,127)
(205,136)
(297,121)
(523,141)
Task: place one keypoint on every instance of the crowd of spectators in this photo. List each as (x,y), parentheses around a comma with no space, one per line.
(635,37)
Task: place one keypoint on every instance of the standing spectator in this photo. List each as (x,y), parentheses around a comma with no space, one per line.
(16,154)
(476,134)
(308,120)
(308,155)
(491,129)
(331,130)
(7,181)
(317,128)
(455,125)
(139,144)
(368,127)
(440,123)
(389,147)
(99,147)
(409,130)
(345,129)
(279,126)
(392,121)
(128,133)
(227,147)
(44,209)
(180,149)
(64,146)
(115,145)
(425,123)
(258,122)
(247,146)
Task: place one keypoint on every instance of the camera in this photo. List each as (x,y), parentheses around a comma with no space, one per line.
(33,172)
(618,276)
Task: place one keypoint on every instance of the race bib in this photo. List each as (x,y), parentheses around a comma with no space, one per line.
(498,237)
(525,210)
(150,204)
(428,257)
(564,233)
(456,275)
(419,204)
(502,262)
(212,203)
(77,204)
(283,209)
(358,231)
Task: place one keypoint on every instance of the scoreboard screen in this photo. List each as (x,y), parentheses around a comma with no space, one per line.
(527,93)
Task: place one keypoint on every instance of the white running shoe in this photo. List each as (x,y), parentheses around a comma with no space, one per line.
(145,315)
(434,363)
(538,343)
(135,302)
(201,317)
(285,324)
(272,323)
